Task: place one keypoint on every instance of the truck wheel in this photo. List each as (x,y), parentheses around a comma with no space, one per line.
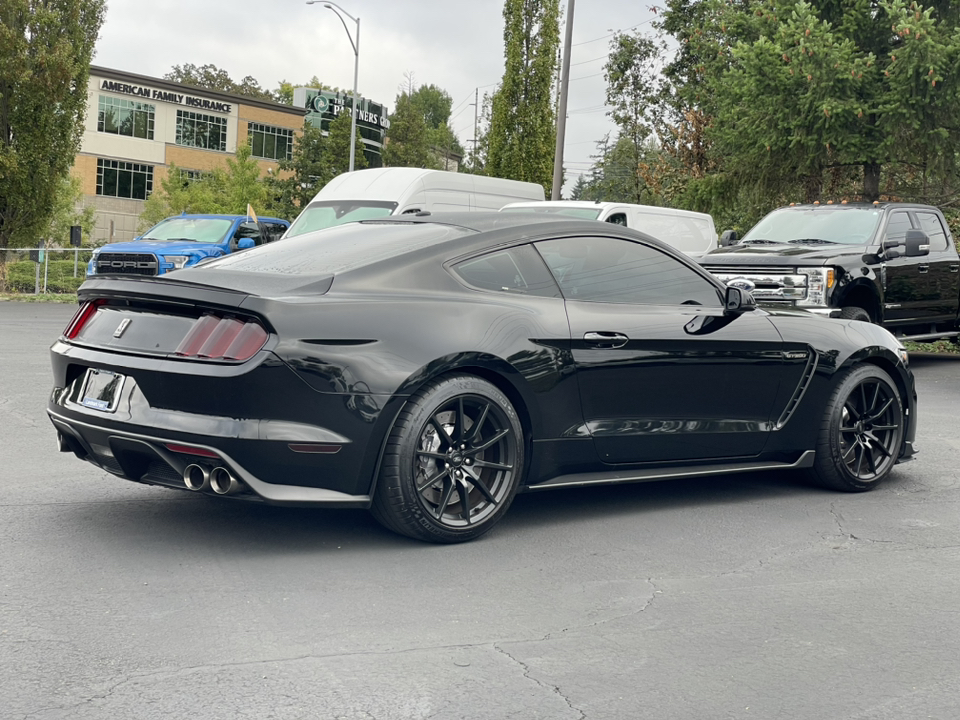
(852,312)
(861,431)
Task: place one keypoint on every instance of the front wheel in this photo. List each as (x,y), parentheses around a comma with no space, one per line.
(861,431)
(854,312)
(452,463)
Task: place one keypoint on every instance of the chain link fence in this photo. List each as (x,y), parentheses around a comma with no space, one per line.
(47,270)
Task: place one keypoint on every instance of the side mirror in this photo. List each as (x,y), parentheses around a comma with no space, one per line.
(246,243)
(917,244)
(891,249)
(728,238)
(738,300)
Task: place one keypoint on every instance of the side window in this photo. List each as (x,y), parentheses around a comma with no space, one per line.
(931,225)
(618,219)
(246,230)
(897,226)
(517,269)
(273,230)
(608,270)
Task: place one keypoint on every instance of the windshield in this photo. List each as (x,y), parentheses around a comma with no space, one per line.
(581,213)
(203,230)
(326,214)
(846,225)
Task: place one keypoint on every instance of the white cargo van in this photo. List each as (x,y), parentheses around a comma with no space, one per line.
(689,232)
(378,192)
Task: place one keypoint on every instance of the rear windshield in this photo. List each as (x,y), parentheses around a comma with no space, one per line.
(846,225)
(336,250)
(329,213)
(202,230)
(580,213)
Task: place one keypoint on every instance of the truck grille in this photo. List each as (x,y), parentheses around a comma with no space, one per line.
(127,264)
(770,283)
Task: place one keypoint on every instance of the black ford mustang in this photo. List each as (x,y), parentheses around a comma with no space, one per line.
(428,368)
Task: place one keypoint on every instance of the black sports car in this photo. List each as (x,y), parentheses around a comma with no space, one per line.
(428,368)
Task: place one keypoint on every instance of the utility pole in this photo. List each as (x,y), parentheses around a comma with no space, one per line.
(562,112)
(476,122)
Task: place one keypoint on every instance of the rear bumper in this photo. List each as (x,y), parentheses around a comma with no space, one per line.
(148,459)
(284,441)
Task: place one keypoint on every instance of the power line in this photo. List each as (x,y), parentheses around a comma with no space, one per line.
(603,37)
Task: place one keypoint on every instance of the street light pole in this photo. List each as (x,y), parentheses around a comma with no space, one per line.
(340,12)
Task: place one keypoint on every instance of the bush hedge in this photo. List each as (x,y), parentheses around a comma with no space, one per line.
(21,276)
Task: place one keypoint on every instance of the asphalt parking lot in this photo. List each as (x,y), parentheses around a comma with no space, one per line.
(735,597)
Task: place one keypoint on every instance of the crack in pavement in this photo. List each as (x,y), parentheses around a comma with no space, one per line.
(598,623)
(554,688)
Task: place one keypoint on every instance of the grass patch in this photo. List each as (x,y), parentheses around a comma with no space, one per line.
(47,298)
(945,347)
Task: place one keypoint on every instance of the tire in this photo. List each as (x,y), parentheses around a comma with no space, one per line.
(861,432)
(852,312)
(452,463)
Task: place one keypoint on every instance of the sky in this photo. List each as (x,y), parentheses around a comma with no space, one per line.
(454,44)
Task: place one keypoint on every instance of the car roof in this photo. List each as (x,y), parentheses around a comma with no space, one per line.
(855,206)
(212,216)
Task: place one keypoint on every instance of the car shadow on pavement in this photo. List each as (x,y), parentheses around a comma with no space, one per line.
(603,501)
(170,520)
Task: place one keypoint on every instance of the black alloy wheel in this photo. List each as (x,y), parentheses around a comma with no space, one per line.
(452,463)
(861,433)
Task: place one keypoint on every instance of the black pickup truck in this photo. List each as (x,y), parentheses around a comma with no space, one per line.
(894,264)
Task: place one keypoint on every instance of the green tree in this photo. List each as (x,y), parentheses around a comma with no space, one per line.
(633,89)
(803,90)
(523,127)
(67,211)
(45,51)
(210,77)
(284,92)
(408,142)
(580,188)
(227,191)
(317,158)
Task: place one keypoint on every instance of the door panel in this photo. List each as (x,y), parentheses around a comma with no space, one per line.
(686,383)
(944,270)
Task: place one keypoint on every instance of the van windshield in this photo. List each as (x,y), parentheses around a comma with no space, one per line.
(329,213)
(576,212)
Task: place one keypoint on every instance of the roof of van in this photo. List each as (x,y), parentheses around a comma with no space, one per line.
(392,183)
(590,204)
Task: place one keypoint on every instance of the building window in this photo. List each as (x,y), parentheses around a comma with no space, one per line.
(201,131)
(272,143)
(123,179)
(125,117)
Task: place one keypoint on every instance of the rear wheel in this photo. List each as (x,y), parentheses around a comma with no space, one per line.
(854,312)
(452,463)
(861,431)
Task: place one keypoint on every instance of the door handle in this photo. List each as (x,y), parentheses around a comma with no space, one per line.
(606,340)
(923,268)
(955,268)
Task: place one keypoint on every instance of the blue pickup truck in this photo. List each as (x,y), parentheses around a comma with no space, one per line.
(182,241)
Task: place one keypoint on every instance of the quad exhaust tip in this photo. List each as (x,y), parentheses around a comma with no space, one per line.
(196,477)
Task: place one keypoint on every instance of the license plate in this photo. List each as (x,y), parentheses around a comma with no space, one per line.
(101,390)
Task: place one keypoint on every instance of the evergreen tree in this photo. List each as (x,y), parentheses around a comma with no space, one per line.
(803,90)
(523,132)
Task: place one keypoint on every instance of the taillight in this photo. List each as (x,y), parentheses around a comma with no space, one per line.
(81,318)
(216,338)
